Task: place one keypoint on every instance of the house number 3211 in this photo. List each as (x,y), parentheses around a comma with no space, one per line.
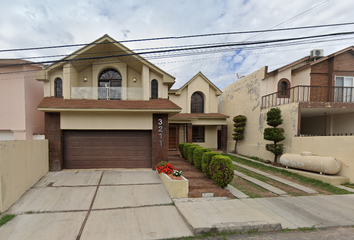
(160,129)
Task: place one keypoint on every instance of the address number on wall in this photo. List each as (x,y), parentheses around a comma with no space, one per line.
(160,129)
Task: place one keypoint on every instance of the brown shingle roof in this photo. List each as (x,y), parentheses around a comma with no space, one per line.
(200,115)
(52,102)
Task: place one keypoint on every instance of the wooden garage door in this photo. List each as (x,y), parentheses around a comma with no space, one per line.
(107,149)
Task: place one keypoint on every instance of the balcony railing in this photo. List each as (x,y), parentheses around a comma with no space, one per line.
(308,94)
(107,93)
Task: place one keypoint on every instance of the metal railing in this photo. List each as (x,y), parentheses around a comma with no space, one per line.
(107,93)
(303,93)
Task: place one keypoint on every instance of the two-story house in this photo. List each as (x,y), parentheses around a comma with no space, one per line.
(20,94)
(106,107)
(199,121)
(315,95)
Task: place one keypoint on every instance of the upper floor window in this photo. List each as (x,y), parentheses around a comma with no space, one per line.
(197,103)
(109,85)
(154,89)
(283,88)
(58,87)
(343,91)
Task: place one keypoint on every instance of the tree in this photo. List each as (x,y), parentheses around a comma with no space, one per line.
(239,124)
(274,134)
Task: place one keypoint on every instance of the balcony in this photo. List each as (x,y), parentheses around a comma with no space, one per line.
(107,93)
(308,94)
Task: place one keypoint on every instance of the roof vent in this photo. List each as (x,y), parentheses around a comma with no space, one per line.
(316,53)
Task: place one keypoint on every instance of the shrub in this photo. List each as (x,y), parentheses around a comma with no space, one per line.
(180,148)
(197,156)
(191,152)
(206,159)
(239,123)
(221,170)
(274,134)
(185,150)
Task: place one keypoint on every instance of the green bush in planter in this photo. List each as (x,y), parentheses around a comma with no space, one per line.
(185,150)
(197,156)
(191,152)
(221,170)
(206,159)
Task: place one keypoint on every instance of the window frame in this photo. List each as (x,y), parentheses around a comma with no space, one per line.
(110,77)
(284,93)
(198,134)
(58,87)
(154,89)
(341,93)
(197,105)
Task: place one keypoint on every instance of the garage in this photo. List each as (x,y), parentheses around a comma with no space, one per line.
(107,149)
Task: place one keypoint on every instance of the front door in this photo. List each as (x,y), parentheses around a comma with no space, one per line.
(173,137)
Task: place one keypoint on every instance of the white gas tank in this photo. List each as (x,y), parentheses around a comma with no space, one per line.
(311,162)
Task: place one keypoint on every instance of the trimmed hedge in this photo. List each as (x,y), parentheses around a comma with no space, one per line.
(206,159)
(221,170)
(191,152)
(197,156)
(180,148)
(185,150)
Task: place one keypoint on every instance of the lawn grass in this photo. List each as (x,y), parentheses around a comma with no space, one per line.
(350,185)
(312,182)
(248,192)
(6,218)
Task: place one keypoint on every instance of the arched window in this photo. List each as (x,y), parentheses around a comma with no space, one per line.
(197,103)
(109,85)
(58,88)
(154,89)
(283,88)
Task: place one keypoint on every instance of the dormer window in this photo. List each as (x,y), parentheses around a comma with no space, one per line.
(109,85)
(197,103)
(154,89)
(283,88)
(58,88)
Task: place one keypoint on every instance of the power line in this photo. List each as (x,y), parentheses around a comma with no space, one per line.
(181,37)
(189,50)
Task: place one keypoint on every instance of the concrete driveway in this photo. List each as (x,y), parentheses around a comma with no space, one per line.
(92,204)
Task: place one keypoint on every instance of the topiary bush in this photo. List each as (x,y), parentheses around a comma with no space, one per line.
(239,124)
(274,134)
(206,159)
(191,152)
(185,150)
(197,156)
(221,170)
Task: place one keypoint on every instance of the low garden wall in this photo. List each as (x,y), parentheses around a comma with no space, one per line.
(22,164)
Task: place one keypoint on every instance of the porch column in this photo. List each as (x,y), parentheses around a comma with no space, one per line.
(159,138)
(189,133)
(224,138)
(55,138)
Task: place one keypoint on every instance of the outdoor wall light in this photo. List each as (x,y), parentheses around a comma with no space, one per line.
(85,79)
(134,80)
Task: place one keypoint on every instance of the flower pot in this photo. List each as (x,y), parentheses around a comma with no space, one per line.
(177,187)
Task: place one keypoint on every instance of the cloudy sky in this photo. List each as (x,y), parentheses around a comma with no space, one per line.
(40,23)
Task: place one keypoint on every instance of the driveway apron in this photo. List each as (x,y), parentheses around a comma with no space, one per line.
(102,204)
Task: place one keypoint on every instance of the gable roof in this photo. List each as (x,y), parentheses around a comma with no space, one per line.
(307,62)
(87,55)
(199,74)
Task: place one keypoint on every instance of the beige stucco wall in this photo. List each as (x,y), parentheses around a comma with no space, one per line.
(22,163)
(197,85)
(301,77)
(211,138)
(244,98)
(106,120)
(340,147)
